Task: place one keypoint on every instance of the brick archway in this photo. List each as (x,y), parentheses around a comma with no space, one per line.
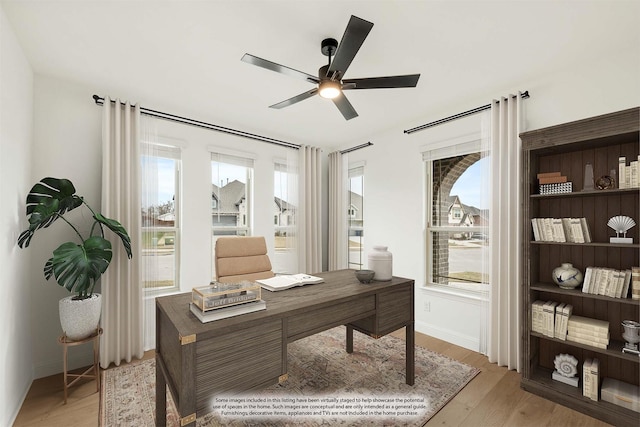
(445,173)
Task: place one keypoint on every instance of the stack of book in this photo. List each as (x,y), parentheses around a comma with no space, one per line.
(585,330)
(628,175)
(550,318)
(574,230)
(554,183)
(607,282)
(591,378)
(221,300)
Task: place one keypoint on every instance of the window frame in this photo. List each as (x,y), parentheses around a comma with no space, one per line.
(354,170)
(175,153)
(460,146)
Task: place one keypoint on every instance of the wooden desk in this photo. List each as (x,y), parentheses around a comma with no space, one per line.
(200,360)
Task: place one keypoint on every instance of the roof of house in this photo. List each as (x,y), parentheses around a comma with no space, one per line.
(229,196)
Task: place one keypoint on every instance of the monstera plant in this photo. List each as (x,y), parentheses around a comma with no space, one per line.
(77,266)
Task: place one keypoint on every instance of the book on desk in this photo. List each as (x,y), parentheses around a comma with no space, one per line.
(288,281)
(231,311)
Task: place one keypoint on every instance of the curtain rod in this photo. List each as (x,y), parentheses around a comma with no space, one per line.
(357,147)
(523,95)
(100,101)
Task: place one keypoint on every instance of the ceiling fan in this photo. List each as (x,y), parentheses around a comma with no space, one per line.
(330,82)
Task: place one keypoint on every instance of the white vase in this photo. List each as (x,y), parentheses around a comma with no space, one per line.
(80,318)
(380,261)
(567,276)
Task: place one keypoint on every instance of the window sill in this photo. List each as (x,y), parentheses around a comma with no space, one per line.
(457,292)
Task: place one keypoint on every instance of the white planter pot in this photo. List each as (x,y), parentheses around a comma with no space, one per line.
(80,318)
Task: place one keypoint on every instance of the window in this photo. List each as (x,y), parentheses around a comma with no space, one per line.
(457,227)
(160,202)
(231,188)
(284,184)
(355,197)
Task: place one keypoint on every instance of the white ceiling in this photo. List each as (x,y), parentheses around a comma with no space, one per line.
(183,57)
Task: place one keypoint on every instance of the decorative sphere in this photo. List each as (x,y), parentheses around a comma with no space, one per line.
(567,276)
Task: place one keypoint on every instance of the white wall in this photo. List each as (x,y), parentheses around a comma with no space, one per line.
(16,123)
(394,211)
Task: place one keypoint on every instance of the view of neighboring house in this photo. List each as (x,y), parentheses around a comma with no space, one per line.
(229,207)
(462,215)
(354,210)
(284,214)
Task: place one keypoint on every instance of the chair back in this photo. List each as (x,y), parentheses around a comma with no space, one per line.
(241,258)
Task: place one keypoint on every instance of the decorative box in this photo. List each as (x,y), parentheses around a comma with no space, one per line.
(562,187)
(219,295)
(621,393)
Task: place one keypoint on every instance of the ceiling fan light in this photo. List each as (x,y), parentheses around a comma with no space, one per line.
(329,89)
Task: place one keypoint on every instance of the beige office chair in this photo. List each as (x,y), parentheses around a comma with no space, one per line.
(241,258)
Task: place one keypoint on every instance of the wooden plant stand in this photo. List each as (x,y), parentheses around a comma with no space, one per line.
(93,372)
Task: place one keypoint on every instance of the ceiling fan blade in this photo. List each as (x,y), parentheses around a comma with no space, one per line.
(279,68)
(389,82)
(295,99)
(345,107)
(353,37)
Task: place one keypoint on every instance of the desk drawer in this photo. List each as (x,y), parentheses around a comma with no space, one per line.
(320,319)
(238,361)
(395,309)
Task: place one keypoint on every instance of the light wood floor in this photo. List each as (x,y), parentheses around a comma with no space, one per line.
(493,398)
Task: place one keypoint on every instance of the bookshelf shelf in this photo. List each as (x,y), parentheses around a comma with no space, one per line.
(567,395)
(567,148)
(553,289)
(590,244)
(614,349)
(592,193)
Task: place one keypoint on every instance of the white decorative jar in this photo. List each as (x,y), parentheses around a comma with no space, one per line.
(567,276)
(380,261)
(80,318)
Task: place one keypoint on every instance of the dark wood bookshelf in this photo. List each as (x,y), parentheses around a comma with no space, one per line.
(567,148)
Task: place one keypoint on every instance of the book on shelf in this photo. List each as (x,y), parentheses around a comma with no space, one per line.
(589,336)
(288,281)
(549,310)
(628,175)
(622,164)
(552,179)
(226,312)
(588,323)
(558,320)
(548,174)
(573,230)
(567,311)
(635,283)
(607,281)
(590,378)
(537,316)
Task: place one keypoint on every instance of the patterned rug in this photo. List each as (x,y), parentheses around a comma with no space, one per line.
(326,387)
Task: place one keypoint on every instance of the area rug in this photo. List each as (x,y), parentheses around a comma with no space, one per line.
(326,387)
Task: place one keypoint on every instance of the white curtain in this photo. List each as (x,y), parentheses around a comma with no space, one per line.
(338,238)
(122,319)
(503,340)
(309,213)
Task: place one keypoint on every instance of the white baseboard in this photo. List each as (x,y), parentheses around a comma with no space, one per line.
(16,411)
(467,341)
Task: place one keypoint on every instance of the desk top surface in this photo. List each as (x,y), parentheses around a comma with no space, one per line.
(338,285)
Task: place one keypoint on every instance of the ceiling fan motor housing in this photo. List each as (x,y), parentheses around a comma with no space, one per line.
(329,46)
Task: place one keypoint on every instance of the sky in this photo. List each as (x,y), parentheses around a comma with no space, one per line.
(469,187)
